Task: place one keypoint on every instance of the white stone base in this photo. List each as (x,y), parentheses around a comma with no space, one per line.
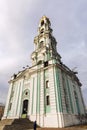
(45,120)
(70,119)
(55,120)
(49,120)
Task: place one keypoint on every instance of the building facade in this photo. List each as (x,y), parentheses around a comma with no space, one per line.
(48,91)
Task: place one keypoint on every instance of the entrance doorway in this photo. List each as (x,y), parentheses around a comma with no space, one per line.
(25,107)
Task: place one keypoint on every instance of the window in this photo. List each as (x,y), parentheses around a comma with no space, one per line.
(42,23)
(47,100)
(26,93)
(47,84)
(45,63)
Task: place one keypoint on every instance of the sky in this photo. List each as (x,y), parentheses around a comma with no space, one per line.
(19,21)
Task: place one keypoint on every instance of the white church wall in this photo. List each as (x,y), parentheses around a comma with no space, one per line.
(81,105)
(70,119)
(34,85)
(30,102)
(52,91)
(72,95)
(62,90)
(19,111)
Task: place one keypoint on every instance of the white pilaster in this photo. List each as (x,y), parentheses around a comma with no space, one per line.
(7,102)
(15,100)
(19,110)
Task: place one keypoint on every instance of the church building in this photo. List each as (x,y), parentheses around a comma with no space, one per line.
(48,91)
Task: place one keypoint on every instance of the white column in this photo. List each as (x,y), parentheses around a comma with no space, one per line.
(15,100)
(42,100)
(35,95)
(7,102)
(20,100)
(30,101)
(52,91)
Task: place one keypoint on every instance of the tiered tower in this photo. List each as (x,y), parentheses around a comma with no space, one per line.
(45,43)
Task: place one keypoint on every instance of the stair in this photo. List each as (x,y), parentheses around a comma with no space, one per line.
(26,124)
(5,121)
(17,124)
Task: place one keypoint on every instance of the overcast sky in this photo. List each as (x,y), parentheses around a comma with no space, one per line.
(18,26)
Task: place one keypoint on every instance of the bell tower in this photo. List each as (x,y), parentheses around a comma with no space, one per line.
(48,91)
(45,43)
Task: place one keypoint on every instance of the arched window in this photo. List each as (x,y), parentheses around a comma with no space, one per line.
(47,84)
(42,23)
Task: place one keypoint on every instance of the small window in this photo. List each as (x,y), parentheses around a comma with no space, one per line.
(42,23)
(26,93)
(47,100)
(46,64)
(47,84)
